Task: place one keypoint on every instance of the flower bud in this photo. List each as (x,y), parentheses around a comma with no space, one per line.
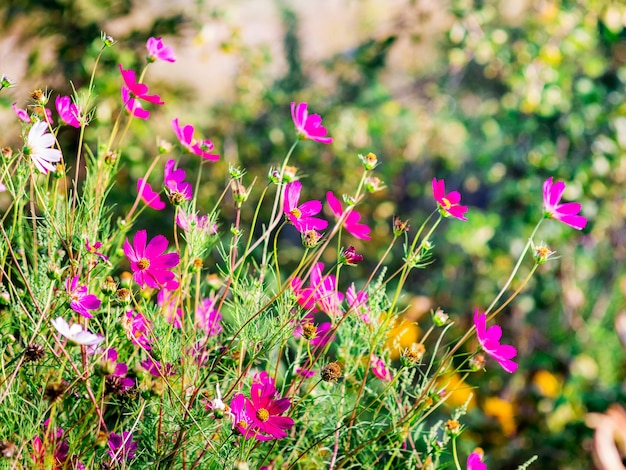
(440,318)
(399,226)
(350,257)
(311,238)
(107,40)
(369,161)
(373,184)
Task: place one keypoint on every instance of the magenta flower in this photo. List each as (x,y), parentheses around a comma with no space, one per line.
(122,448)
(351,222)
(38,148)
(133,90)
(489,339)
(448,203)
(302,216)
(116,381)
(138,90)
(68,111)
(309,127)
(207,318)
(323,332)
(201,148)
(81,301)
(174,180)
(239,415)
(133,106)
(93,249)
(157,51)
(148,196)
(475,462)
(137,329)
(379,368)
(566,213)
(150,266)
(22,114)
(322,292)
(168,300)
(156,369)
(264,408)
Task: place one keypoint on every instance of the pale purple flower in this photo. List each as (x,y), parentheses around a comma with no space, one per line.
(122,448)
(81,301)
(489,339)
(75,333)
(156,369)
(192,222)
(201,148)
(68,111)
(158,51)
(357,302)
(309,126)
(38,148)
(567,212)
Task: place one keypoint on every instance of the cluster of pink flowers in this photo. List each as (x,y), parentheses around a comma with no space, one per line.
(259,416)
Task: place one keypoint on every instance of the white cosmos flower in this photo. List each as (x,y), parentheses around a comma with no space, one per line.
(38,148)
(75,333)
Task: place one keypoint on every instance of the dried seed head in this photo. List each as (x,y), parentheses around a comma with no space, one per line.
(39,96)
(453,427)
(477,362)
(123,296)
(7,449)
(413,355)
(34,352)
(55,390)
(331,372)
(309,330)
(399,226)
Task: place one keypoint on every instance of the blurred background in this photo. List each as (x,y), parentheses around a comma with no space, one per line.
(493,96)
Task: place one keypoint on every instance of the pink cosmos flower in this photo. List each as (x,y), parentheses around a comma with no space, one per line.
(151,198)
(448,203)
(566,213)
(322,292)
(264,408)
(137,329)
(37,148)
(68,111)
(308,126)
(150,266)
(351,222)
(302,216)
(201,148)
(133,90)
(174,180)
(489,339)
(168,301)
(138,90)
(156,50)
(241,420)
(122,448)
(475,462)
(191,221)
(156,369)
(379,368)
(81,301)
(116,381)
(93,249)
(22,114)
(133,106)
(207,318)
(357,302)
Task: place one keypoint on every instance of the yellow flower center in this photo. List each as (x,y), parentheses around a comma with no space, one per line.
(262,414)
(242,424)
(446,203)
(144,263)
(297,213)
